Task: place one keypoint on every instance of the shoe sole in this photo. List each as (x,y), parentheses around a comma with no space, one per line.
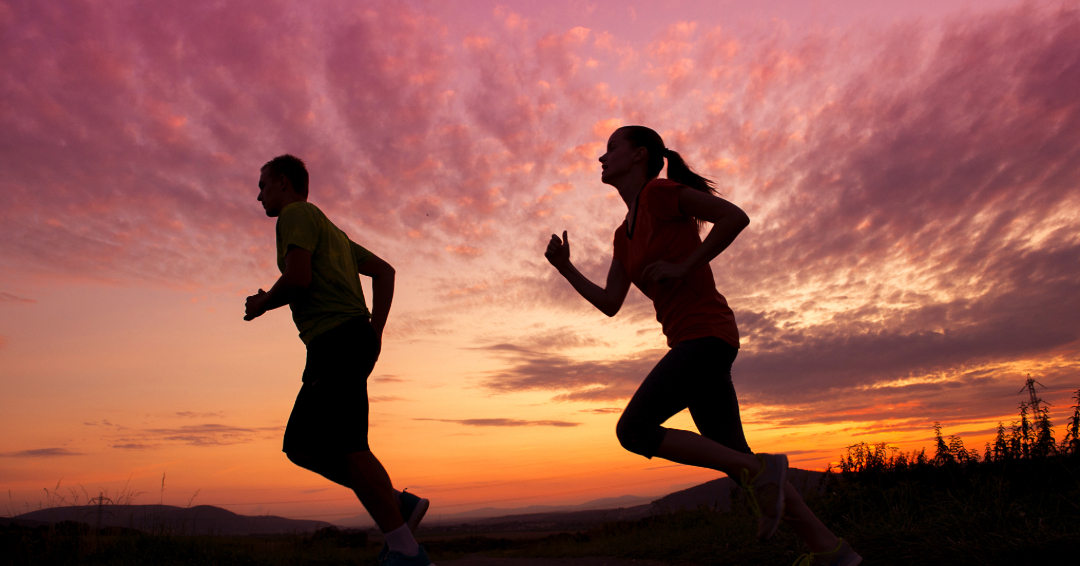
(418,513)
(779,500)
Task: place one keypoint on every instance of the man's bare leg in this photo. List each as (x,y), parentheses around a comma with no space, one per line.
(371,483)
(340,471)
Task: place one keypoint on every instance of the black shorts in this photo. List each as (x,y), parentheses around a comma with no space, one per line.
(331,411)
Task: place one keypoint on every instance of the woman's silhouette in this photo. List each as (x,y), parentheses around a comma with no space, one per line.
(659,250)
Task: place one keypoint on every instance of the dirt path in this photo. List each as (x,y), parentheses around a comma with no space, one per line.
(478,560)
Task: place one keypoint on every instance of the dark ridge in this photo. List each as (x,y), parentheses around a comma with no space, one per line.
(168,519)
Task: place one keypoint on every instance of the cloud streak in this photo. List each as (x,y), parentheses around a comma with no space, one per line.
(42,453)
(206,434)
(589,380)
(503,422)
(9,298)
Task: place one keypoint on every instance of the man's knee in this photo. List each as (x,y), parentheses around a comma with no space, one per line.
(303,460)
(638,437)
(312,462)
(333,468)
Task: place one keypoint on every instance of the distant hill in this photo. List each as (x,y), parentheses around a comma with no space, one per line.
(206,519)
(475,515)
(198,520)
(605,503)
(715,493)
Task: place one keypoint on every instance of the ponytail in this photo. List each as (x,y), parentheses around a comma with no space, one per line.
(680,172)
(677,169)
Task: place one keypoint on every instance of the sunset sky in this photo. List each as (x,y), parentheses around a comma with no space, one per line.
(911,171)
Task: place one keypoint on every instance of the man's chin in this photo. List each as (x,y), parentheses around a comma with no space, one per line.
(271,212)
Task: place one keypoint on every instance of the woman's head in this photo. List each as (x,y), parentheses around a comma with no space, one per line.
(650,141)
(624,149)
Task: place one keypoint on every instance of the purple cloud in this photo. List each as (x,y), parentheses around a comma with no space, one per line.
(503,422)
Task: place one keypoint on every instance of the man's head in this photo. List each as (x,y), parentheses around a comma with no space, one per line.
(283,180)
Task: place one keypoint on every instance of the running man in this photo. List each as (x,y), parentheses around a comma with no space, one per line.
(328,428)
(658,248)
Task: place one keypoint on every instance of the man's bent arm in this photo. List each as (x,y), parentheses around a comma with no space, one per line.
(382,289)
(293,281)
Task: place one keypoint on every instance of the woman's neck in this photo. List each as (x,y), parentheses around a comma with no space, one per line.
(630,186)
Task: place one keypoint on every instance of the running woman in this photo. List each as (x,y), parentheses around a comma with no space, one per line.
(659,250)
(328,428)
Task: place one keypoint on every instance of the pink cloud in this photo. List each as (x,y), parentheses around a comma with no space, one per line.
(465,251)
(946,158)
(504,422)
(920,175)
(159,119)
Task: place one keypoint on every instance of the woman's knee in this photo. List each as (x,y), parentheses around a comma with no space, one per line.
(638,437)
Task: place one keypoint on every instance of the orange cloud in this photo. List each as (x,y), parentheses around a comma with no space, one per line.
(467,251)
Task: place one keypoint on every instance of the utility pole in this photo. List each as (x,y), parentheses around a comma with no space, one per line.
(1030,387)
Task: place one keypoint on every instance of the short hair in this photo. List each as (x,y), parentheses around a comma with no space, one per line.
(293,169)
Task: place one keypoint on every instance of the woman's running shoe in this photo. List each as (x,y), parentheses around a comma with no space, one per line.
(765,492)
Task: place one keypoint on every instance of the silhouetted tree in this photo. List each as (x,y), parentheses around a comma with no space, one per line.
(863,457)
(1029,438)
(1044,435)
(1001,445)
(1071,443)
(900,462)
(961,454)
(1023,434)
(1041,442)
(944,454)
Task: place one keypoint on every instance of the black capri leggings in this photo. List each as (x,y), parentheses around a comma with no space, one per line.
(696,374)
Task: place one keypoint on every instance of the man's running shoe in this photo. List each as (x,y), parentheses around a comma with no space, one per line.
(389,557)
(765,492)
(842,556)
(412,509)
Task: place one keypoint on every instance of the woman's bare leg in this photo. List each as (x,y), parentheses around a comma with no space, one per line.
(692,449)
(803,521)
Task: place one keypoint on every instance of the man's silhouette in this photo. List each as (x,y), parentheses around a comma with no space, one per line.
(328,427)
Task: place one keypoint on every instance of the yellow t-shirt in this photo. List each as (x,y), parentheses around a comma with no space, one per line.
(335,294)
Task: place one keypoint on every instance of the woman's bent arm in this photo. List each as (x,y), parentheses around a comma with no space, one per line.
(608,299)
(728,221)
